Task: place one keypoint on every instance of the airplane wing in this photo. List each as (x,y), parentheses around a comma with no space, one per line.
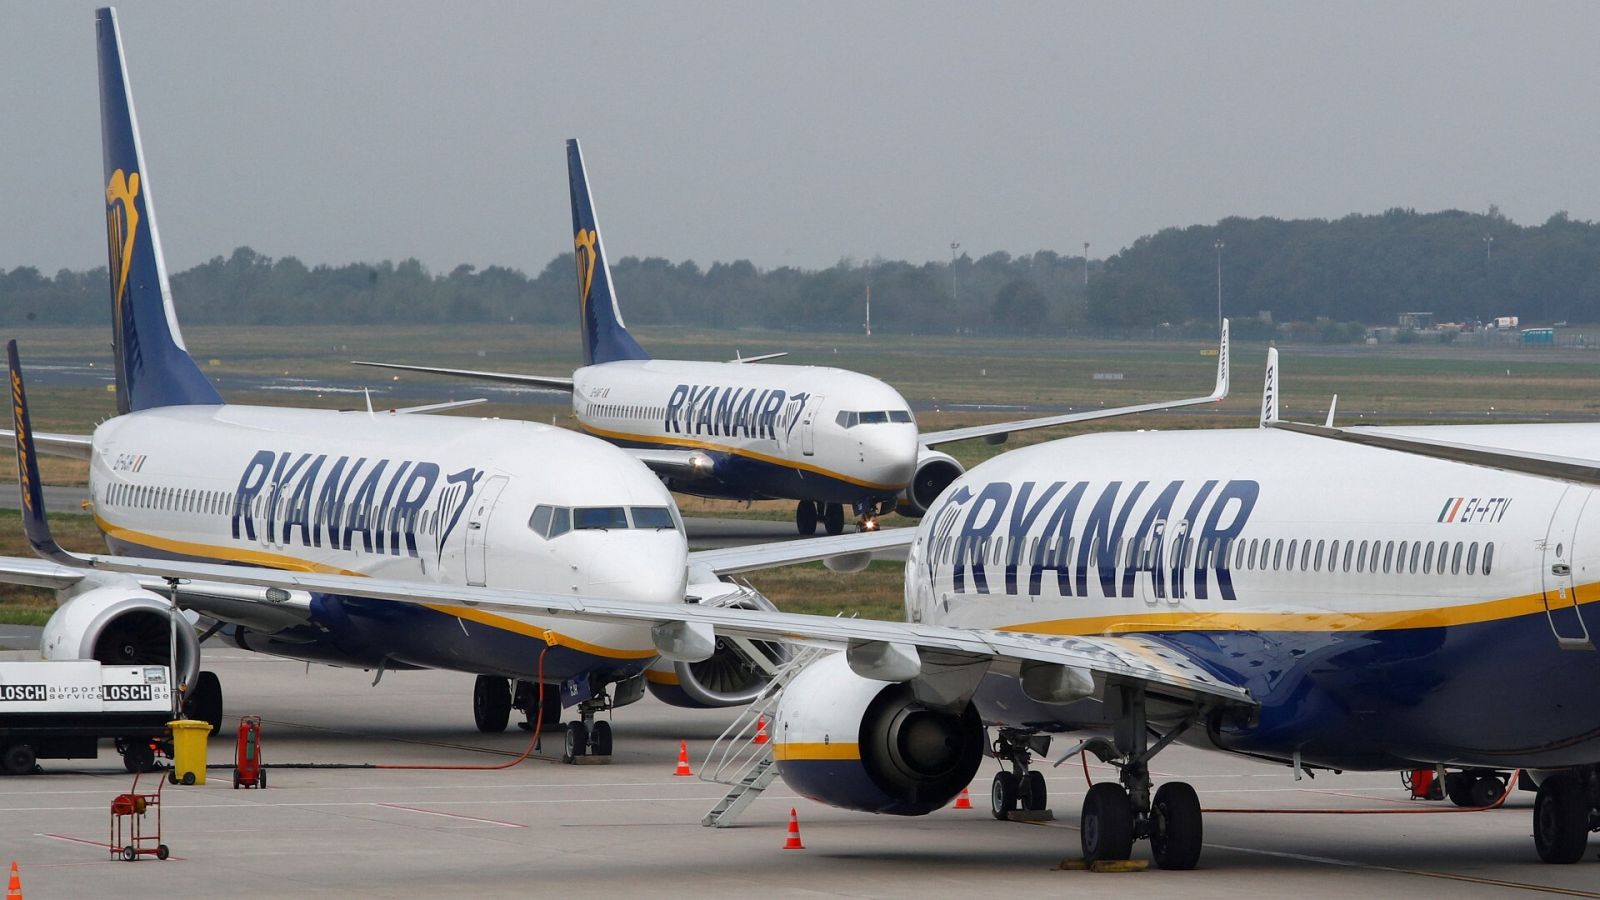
(732,560)
(998,430)
(77,446)
(1544,465)
(264,609)
(1126,658)
(554,382)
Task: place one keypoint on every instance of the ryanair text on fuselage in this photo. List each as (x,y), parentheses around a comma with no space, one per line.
(311,499)
(722,411)
(1175,539)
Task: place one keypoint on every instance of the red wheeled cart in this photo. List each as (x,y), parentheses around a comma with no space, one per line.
(129,839)
(247,771)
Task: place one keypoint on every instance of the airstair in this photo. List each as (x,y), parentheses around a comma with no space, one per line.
(736,760)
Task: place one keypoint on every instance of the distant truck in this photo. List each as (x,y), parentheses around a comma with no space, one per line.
(1505,323)
(63,709)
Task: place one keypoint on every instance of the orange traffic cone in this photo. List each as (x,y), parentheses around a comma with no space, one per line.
(964,801)
(683,759)
(793,843)
(761,730)
(14,889)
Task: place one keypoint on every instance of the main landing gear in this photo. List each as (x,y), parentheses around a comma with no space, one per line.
(1022,787)
(1117,814)
(808,512)
(1565,810)
(493,700)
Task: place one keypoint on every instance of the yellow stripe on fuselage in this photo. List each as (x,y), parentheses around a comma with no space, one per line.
(1319,621)
(736,451)
(800,751)
(295,564)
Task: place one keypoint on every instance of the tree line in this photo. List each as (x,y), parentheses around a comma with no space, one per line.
(1331,274)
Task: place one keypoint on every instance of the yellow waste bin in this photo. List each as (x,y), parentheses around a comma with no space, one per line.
(188,751)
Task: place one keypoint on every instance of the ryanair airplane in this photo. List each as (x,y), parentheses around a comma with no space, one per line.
(1361,599)
(453,502)
(827,438)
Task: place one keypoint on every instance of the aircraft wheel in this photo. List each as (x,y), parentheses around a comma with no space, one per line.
(1458,787)
(1485,790)
(1003,794)
(577,741)
(1033,793)
(805,517)
(833,518)
(600,739)
(1561,819)
(1107,823)
(491,704)
(204,702)
(1176,829)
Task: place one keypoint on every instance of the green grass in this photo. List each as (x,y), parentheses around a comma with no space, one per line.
(874,593)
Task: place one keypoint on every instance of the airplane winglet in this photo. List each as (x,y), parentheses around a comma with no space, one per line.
(34,522)
(1221,391)
(1269,390)
(1332,405)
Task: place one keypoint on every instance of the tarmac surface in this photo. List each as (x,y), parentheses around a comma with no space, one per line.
(633,827)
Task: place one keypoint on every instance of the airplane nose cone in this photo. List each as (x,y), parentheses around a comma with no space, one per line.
(891,454)
(649,566)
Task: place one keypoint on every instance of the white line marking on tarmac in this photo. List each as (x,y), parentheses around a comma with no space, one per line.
(432,812)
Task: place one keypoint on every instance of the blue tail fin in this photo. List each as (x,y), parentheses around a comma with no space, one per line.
(153,368)
(605,338)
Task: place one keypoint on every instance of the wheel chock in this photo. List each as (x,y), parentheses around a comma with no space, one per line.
(1103,866)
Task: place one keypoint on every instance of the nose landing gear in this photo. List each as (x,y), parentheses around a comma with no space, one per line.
(808,512)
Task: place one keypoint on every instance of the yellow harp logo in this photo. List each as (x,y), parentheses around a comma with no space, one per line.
(122,223)
(22,438)
(584,252)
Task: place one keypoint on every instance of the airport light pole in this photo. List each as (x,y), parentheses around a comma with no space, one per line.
(1219,245)
(1086,266)
(1488,248)
(955,296)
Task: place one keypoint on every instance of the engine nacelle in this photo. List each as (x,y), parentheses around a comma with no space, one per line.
(935,471)
(868,745)
(730,676)
(120,626)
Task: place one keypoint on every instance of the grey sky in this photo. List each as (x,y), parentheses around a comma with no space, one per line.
(786,134)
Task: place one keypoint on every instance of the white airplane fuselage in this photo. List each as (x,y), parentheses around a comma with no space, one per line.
(768,431)
(410,497)
(1385,609)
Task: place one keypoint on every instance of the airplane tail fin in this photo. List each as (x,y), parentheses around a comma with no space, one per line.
(605,338)
(153,367)
(1269,390)
(34,522)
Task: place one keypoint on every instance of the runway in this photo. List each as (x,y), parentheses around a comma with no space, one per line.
(632,827)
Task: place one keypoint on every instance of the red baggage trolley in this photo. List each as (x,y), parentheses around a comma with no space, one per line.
(129,838)
(247,771)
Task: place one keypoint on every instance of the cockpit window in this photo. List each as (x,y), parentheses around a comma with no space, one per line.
(553,521)
(850,418)
(550,521)
(594,517)
(653,517)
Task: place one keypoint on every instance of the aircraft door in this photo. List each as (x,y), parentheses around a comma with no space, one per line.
(1558,572)
(478,529)
(808,421)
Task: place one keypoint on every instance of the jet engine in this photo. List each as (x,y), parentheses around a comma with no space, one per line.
(732,676)
(871,746)
(935,471)
(120,625)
